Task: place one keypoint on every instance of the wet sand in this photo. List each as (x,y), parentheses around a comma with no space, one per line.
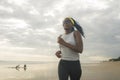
(48,71)
(101,71)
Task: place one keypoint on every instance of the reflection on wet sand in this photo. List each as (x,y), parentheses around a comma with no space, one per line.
(18,67)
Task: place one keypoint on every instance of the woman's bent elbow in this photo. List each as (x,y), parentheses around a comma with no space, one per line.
(81,50)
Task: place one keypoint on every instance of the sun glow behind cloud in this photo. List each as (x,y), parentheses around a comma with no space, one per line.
(13,23)
(94,4)
(18,2)
(6,9)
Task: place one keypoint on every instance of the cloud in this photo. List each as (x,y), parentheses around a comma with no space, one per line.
(37,24)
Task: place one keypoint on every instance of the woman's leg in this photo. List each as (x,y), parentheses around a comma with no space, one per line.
(75,70)
(62,70)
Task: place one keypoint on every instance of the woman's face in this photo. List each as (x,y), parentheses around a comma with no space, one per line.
(67,24)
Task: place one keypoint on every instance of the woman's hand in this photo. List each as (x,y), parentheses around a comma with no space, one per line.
(58,54)
(60,40)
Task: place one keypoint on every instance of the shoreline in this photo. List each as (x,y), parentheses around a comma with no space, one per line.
(48,71)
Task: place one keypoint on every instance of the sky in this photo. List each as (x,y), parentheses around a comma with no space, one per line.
(29,28)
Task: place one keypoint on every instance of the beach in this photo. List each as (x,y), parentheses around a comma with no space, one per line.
(101,71)
(48,71)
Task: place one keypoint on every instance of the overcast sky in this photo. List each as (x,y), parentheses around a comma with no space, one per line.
(29,28)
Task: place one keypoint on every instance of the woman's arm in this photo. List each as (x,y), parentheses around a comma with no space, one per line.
(79,44)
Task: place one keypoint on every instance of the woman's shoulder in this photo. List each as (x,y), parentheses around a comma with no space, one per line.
(60,35)
(77,33)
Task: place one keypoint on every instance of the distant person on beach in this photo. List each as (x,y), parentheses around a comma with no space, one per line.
(18,66)
(71,45)
(25,67)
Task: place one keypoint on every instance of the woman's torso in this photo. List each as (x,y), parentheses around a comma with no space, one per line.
(67,53)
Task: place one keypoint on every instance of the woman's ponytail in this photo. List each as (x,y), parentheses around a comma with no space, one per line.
(78,27)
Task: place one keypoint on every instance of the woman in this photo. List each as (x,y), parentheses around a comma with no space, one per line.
(70,46)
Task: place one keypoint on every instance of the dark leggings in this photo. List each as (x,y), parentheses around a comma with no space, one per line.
(70,69)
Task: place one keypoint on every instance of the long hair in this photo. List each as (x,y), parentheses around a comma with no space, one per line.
(77,26)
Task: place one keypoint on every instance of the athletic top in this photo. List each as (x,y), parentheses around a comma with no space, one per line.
(67,53)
